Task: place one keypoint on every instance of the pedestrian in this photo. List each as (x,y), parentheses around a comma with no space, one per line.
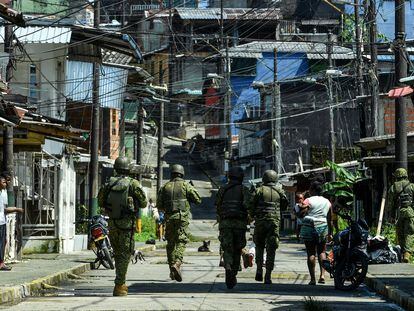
(231,204)
(400,205)
(267,202)
(121,198)
(5,178)
(316,227)
(174,200)
(299,198)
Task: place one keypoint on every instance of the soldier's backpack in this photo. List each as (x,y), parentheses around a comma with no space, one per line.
(118,202)
(405,198)
(176,200)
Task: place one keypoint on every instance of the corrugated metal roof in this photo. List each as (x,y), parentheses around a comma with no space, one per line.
(36,34)
(115,57)
(287,47)
(334,56)
(228,14)
(112,84)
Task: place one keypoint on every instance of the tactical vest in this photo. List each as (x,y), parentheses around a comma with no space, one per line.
(175,198)
(118,202)
(232,206)
(405,195)
(269,203)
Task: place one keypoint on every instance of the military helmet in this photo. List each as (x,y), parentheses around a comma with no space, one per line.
(121,164)
(236,172)
(400,173)
(177,169)
(270,176)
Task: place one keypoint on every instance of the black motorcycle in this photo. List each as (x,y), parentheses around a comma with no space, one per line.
(347,262)
(99,241)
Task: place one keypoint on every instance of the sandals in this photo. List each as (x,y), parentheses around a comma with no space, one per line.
(321,281)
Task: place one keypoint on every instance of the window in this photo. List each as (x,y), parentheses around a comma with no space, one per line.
(33,84)
(114,117)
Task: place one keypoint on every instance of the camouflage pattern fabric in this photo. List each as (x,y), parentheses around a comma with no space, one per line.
(232,232)
(176,223)
(232,242)
(266,230)
(405,216)
(123,245)
(405,230)
(121,231)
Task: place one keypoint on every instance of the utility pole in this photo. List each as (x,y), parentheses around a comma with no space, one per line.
(332,138)
(359,74)
(374,69)
(276,119)
(8,140)
(94,145)
(400,72)
(227,105)
(140,132)
(161,102)
(123,112)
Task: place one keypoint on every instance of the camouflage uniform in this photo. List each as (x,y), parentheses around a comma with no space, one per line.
(264,208)
(121,231)
(176,220)
(231,205)
(399,203)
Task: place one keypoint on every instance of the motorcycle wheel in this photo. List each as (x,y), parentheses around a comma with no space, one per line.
(349,275)
(106,259)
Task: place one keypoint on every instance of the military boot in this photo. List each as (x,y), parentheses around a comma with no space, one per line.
(171,274)
(120,290)
(259,274)
(268,277)
(176,271)
(406,257)
(231,280)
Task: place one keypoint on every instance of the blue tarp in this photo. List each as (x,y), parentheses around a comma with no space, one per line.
(289,65)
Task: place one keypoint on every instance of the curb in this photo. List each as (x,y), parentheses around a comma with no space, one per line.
(398,296)
(18,292)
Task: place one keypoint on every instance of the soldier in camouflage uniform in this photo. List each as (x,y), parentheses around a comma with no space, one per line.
(122,217)
(400,205)
(174,200)
(231,204)
(264,208)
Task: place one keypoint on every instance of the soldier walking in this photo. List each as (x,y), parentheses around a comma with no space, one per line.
(231,204)
(264,208)
(121,197)
(400,204)
(174,199)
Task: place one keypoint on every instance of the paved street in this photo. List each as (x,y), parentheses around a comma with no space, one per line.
(203,287)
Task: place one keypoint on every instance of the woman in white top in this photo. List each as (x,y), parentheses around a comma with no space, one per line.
(316,225)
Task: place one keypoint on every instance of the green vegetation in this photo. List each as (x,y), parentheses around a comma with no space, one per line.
(148,230)
(312,304)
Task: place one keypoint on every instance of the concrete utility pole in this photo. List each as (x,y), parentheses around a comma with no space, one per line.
(123,112)
(94,145)
(276,121)
(374,62)
(140,132)
(8,130)
(332,138)
(227,105)
(359,63)
(400,72)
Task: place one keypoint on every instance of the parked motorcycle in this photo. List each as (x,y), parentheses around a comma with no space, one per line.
(98,237)
(347,262)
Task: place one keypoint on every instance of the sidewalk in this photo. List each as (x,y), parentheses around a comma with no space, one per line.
(394,281)
(37,272)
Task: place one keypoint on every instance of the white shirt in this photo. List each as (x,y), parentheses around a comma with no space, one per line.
(3,204)
(318,209)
